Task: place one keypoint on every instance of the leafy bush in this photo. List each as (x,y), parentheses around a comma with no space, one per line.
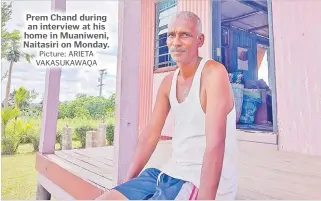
(9,146)
(35,140)
(15,131)
(59,131)
(110,133)
(59,138)
(8,114)
(81,134)
(34,135)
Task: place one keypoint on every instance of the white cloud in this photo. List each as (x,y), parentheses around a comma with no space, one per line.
(73,80)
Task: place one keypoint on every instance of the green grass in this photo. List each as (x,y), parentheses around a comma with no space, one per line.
(19,176)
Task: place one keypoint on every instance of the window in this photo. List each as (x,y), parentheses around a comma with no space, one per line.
(165,9)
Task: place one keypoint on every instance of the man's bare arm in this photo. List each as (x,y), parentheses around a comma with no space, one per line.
(219,104)
(150,136)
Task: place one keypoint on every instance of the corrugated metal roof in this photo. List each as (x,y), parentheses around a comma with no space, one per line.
(262,2)
(257,20)
(263,32)
(250,15)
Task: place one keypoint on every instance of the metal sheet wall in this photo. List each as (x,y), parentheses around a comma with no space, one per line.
(244,40)
(146,61)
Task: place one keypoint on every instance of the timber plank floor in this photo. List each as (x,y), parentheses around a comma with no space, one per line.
(264,172)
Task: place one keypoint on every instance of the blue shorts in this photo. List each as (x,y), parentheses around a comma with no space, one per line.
(151,184)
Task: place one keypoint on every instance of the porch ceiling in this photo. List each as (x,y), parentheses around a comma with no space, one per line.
(251,16)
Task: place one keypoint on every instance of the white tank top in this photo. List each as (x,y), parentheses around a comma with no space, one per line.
(189,140)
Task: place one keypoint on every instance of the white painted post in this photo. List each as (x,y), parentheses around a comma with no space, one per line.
(67,138)
(96,139)
(102,134)
(89,139)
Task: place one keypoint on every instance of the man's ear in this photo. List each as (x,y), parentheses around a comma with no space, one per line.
(201,40)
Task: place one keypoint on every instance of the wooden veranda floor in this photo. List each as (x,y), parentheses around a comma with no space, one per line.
(264,172)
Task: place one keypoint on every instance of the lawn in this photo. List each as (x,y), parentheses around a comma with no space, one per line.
(19,177)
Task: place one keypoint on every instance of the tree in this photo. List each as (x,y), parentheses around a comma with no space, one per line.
(10,47)
(112,101)
(21,97)
(87,106)
(13,55)
(5,35)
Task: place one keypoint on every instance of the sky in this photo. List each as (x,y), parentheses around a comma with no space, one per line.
(73,80)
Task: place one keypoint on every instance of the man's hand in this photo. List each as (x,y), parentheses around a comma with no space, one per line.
(219,102)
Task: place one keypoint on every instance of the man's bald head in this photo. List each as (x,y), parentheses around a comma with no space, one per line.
(185,37)
(190,16)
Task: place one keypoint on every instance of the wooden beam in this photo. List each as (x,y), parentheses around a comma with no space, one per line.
(240,17)
(254,5)
(257,137)
(127,87)
(57,192)
(76,187)
(258,28)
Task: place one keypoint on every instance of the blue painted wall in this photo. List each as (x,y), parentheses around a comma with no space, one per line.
(238,38)
(243,39)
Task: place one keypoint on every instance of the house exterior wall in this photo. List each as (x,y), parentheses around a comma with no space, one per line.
(297,69)
(146,62)
(203,10)
(297,48)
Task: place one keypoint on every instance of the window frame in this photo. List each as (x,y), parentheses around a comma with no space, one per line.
(162,58)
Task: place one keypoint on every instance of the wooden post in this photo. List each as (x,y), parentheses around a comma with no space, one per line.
(93,139)
(49,121)
(96,139)
(50,109)
(127,87)
(102,134)
(67,139)
(89,139)
(58,5)
(42,193)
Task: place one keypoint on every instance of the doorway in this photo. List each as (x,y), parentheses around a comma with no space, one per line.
(243,42)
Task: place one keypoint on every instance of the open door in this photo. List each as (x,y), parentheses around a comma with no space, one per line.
(243,42)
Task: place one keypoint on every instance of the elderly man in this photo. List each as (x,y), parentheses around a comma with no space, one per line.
(204,158)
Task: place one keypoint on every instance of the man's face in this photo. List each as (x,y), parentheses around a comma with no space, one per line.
(183,40)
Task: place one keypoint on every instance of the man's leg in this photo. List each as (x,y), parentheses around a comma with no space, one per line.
(170,188)
(140,188)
